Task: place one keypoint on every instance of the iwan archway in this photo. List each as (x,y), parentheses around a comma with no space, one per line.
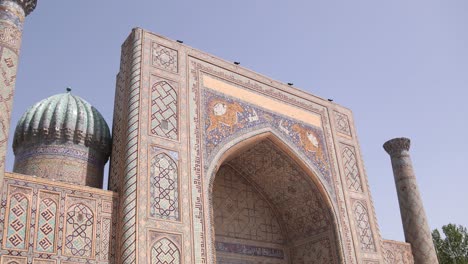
(267,207)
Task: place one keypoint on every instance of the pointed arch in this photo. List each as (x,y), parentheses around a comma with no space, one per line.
(323,193)
(164,251)
(242,142)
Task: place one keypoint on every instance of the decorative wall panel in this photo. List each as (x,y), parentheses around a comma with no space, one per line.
(62,224)
(397,252)
(164,186)
(47,222)
(363,227)
(14,260)
(165,251)
(351,169)
(17,227)
(320,251)
(106,234)
(165,58)
(164,110)
(342,123)
(43,261)
(79,231)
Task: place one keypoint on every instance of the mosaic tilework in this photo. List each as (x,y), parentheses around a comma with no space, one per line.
(397,252)
(366,237)
(342,123)
(14,260)
(165,252)
(164,110)
(165,58)
(247,260)
(226,118)
(351,170)
(241,212)
(17,221)
(314,252)
(43,261)
(8,65)
(59,221)
(164,190)
(67,163)
(47,222)
(297,199)
(79,231)
(249,250)
(124,167)
(11,24)
(106,229)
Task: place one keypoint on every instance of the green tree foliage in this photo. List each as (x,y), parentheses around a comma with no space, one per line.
(453,248)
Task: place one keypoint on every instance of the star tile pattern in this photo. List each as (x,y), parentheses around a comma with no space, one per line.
(165,58)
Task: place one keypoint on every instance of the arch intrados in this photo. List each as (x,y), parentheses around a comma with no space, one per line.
(241,144)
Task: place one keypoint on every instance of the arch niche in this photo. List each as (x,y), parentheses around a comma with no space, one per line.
(267,206)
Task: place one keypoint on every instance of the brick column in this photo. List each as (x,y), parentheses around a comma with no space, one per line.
(12,14)
(413,216)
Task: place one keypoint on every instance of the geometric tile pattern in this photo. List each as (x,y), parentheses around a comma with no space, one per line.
(128,170)
(353,179)
(45,235)
(165,58)
(164,191)
(17,221)
(397,252)
(164,110)
(314,252)
(10,40)
(49,222)
(241,212)
(342,123)
(297,200)
(79,231)
(165,252)
(366,237)
(106,225)
(13,260)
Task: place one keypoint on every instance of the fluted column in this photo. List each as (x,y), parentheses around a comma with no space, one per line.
(413,216)
(12,14)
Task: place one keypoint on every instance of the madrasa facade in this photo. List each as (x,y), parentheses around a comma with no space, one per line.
(209,163)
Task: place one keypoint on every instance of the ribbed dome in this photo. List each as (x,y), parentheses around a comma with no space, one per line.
(64,117)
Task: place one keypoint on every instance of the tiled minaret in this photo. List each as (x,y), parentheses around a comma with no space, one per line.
(415,225)
(12,14)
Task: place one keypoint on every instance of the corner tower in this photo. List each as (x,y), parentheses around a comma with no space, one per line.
(63,138)
(12,14)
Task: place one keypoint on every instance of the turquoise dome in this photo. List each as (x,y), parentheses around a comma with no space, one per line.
(64,118)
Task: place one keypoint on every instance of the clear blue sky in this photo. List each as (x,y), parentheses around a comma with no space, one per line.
(401,66)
